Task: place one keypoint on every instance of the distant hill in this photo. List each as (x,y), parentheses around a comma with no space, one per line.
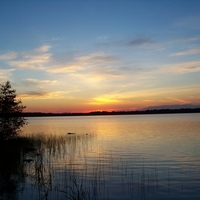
(171,107)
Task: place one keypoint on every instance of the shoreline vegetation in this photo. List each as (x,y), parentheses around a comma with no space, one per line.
(137,112)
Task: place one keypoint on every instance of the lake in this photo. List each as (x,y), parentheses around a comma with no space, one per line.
(120,157)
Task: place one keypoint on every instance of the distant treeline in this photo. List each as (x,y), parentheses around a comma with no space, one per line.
(137,112)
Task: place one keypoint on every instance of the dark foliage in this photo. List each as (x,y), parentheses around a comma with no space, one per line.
(11,119)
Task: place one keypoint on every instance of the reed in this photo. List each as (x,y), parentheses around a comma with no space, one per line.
(67,167)
(75,191)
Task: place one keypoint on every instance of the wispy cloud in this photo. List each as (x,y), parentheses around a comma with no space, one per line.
(38,88)
(188,52)
(95,63)
(5,74)
(30,81)
(43,49)
(192,38)
(8,56)
(184,40)
(88,69)
(102,37)
(138,42)
(130,42)
(181,68)
(36,94)
(36,59)
(42,59)
(188,22)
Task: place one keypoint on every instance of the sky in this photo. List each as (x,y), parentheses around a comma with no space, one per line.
(101,55)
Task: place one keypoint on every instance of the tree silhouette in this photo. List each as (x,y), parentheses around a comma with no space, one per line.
(11,119)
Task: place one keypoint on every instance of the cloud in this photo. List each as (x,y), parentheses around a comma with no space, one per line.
(40,87)
(95,63)
(88,69)
(191,22)
(42,60)
(187,40)
(131,42)
(188,52)
(30,94)
(36,94)
(5,74)
(192,38)
(181,68)
(97,58)
(8,56)
(30,81)
(45,89)
(36,59)
(138,42)
(43,49)
(102,37)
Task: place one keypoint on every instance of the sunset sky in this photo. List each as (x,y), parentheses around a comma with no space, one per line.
(89,55)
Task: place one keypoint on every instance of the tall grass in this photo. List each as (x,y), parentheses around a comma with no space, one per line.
(69,167)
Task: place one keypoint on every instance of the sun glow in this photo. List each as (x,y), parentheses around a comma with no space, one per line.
(103,100)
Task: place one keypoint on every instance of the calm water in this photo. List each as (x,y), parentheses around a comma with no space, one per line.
(108,157)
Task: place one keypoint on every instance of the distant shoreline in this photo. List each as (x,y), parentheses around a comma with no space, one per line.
(137,112)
